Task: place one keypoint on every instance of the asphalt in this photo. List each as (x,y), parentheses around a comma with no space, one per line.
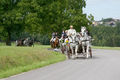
(105,65)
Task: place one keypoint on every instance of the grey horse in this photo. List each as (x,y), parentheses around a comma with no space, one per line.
(74,45)
(86,42)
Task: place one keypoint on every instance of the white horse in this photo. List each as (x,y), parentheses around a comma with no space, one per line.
(78,43)
(62,44)
(86,42)
(74,45)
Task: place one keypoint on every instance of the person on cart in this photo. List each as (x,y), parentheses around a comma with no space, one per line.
(71,32)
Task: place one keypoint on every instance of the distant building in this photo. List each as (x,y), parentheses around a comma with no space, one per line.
(111,23)
(106,22)
(96,23)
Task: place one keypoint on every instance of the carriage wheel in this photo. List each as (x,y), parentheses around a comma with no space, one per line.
(62,49)
(68,56)
(68,52)
(85,55)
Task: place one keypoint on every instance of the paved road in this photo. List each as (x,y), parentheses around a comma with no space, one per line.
(105,65)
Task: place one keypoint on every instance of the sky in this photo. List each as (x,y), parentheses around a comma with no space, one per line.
(103,9)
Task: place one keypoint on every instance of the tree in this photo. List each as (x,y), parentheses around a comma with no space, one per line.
(106,36)
(41,16)
(10,20)
(53,15)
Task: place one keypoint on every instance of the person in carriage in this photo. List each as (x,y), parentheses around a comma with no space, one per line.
(71,32)
(66,36)
(63,36)
(54,40)
(53,36)
(71,42)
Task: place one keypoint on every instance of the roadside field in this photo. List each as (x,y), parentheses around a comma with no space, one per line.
(14,60)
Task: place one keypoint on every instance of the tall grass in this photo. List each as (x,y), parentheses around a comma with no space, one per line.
(14,60)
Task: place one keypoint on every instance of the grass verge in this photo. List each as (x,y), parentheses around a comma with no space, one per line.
(14,60)
(110,48)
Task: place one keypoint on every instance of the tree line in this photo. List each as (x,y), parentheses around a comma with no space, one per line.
(40,17)
(106,35)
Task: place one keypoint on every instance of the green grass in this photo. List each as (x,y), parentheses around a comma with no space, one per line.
(14,60)
(110,48)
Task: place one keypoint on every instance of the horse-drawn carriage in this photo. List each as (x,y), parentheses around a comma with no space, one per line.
(25,42)
(55,42)
(76,47)
(78,44)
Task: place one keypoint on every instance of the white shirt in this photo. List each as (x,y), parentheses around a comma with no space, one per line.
(71,32)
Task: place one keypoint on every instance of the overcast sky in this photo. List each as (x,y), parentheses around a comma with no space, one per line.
(103,8)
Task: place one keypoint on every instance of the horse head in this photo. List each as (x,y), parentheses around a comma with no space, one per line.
(83,31)
(56,40)
(73,38)
(78,38)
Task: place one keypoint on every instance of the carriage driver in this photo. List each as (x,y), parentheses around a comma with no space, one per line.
(53,36)
(71,32)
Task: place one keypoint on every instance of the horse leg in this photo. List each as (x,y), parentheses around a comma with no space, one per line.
(58,45)
(76,50)
(53,45)
(62,49)
(83,49)
(68,52)
(87,50)
(72,52)
(50,44)
(90,52)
